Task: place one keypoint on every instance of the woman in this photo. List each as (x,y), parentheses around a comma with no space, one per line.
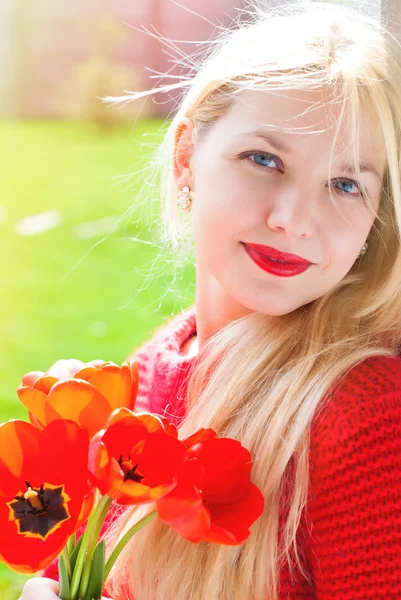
(286,151)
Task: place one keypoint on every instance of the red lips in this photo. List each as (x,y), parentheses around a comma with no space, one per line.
(277,255)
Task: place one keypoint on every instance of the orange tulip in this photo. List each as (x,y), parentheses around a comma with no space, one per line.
(86,393)
(136,457)
(44,492)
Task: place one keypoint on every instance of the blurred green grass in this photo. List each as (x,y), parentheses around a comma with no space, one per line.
(64,294)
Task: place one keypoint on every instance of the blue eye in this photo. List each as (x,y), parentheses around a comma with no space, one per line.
(263,160)
(348,182)
(263,157)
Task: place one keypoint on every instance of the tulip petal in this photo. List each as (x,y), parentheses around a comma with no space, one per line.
(132,492)
(29,555)
(230,522)
(87,506)
(89,369)
(227,467)
(34,401)
(86,372)
(151,421)
(44,384)
(125,492)
(134,460)
(214,473)
(30,378)
(123,435)
(114,383)
(108,476)
(202,435)
(96,363)
(50,465)
(183,510)
(35,421)
(99,463)
(118,414)
(46,400)
(169,428)
(79,401)
(15,436)
(65,368)
(160,460)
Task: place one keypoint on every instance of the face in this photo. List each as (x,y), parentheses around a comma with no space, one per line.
(250,190)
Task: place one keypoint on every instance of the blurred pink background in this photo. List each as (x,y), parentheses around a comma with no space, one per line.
(57,57)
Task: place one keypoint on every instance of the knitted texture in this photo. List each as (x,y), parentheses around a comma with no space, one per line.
(351,527)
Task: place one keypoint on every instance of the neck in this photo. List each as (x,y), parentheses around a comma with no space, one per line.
(209,293)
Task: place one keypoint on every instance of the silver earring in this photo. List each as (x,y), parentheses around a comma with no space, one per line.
(363,250)
(184,199)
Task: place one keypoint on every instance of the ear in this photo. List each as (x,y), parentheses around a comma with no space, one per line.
(183,152)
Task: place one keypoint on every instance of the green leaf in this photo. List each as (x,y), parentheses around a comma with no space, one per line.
(64,580)
(86,575)
(74,554)
(71,544)
(95,587)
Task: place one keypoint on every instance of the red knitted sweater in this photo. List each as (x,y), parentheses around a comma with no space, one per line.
(353,546)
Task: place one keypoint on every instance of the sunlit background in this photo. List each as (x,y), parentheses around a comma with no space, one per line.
(77,272)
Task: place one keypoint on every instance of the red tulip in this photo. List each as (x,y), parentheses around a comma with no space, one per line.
(44,492)
(86,393)
(136,457)
(214,499)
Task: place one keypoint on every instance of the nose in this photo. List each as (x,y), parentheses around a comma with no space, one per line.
(293,213)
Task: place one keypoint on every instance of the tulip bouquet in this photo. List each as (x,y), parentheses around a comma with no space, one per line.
(86,447)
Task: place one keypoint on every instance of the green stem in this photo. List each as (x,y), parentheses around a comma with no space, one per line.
(67,561)
(90,527)
(91,549)
(71,544)
(125,539)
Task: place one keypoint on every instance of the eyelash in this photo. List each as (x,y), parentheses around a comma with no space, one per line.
(276,159)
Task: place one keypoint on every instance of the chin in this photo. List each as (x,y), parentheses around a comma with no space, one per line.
(270,307)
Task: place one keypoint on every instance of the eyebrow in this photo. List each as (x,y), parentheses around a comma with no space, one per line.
(280,146)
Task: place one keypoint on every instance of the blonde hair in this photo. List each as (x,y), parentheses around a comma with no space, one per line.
(262,380)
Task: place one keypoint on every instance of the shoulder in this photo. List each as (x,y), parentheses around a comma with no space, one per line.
(376,374)
(360,419)
(355,486)
(367,391)
(359,427)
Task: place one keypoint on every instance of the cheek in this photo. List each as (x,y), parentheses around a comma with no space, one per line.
(222,188)
(342,245)
(220,211)
(218,225)
(346,222)
(216,222)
